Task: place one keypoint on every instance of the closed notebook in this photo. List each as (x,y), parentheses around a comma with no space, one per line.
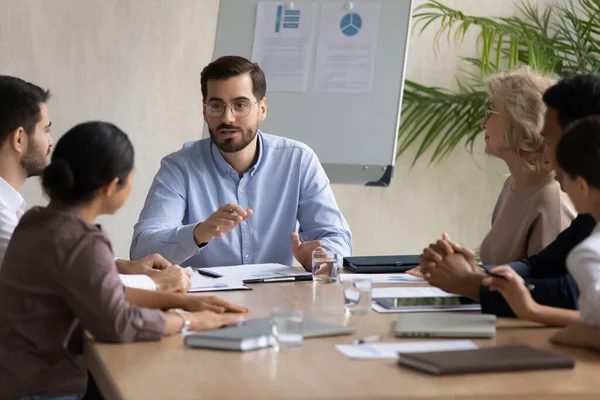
(256,334)
(380,264)
(487,359)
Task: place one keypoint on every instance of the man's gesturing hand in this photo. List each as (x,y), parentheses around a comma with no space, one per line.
(224,220)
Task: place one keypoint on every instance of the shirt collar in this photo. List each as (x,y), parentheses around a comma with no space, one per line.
(11,198)
(224,166)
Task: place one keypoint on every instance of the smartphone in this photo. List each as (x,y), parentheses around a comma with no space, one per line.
(404,302)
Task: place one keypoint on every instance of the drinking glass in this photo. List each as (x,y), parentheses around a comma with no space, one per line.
(325,266)
(357,296)
(286,327)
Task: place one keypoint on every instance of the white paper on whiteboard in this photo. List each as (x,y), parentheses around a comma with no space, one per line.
(283,40)
(346,47)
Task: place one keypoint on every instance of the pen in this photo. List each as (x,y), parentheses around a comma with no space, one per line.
(366,339)
(493,275)
(280,279)
(208,273)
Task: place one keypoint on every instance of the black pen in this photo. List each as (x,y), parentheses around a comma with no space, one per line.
(529,286)
(307,277)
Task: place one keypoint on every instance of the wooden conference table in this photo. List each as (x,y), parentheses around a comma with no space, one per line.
(167,370)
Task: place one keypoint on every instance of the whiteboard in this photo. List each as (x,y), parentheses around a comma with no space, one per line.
(354,135)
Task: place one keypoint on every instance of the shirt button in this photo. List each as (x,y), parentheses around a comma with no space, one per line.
(246,256)
(244,223)
(241,190)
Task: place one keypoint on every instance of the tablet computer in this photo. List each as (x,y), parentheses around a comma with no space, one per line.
(415,304)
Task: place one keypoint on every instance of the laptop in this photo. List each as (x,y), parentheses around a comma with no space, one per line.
(380,264)
(451,325)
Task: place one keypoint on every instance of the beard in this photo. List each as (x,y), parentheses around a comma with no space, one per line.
(235,144)
(34,161)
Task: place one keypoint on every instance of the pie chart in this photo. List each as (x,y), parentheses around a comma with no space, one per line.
(351,24)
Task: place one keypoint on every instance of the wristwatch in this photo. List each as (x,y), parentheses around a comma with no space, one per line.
(186,322)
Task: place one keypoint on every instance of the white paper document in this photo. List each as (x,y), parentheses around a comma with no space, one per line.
(378,293)
(283,37)
(206,284)
(382,278)
(346,47)
(390,350)
(258,271)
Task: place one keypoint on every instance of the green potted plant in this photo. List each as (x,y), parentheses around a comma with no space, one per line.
(560,38)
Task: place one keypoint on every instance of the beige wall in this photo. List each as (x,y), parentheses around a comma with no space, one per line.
(136,63)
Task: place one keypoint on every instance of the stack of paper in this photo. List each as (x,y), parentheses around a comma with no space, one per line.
(427,291)
(254,273)
(382,278)
(202,283)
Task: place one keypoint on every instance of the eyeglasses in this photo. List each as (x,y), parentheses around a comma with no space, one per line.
(239,108)
(488,113)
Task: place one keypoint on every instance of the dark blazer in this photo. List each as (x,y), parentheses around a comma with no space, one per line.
(547,270)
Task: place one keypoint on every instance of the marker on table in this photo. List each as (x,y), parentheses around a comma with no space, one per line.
(530,287)
(366,339)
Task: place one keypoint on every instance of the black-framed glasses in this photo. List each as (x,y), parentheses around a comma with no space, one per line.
(239,108)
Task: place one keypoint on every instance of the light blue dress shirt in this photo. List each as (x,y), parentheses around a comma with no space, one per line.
(287,189)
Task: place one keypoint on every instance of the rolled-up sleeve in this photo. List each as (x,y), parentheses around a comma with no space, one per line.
(318,213)
(90,285)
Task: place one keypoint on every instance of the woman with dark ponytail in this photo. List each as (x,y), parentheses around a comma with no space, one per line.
(59,276)
(75,175)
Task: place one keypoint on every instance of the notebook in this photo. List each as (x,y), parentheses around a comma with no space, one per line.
(489,359)
(256,334)
(380,264)
(451,325)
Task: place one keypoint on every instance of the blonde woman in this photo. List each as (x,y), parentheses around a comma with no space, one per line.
(531,209)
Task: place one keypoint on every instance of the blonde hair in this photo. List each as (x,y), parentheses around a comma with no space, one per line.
(517,96)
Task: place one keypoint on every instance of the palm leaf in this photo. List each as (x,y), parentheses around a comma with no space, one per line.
(429,111)
(563,39)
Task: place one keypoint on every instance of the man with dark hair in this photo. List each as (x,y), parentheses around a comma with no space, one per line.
(451,267)
(238,197)
(25,144)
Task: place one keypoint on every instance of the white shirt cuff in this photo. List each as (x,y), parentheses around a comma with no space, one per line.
(138,281)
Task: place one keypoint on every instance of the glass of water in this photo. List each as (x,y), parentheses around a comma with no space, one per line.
(357,296)
(286,327)
(325,265)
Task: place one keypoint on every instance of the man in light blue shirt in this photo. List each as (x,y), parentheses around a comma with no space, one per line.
(239,197)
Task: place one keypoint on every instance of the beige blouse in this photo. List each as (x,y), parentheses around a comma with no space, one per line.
(526,221)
